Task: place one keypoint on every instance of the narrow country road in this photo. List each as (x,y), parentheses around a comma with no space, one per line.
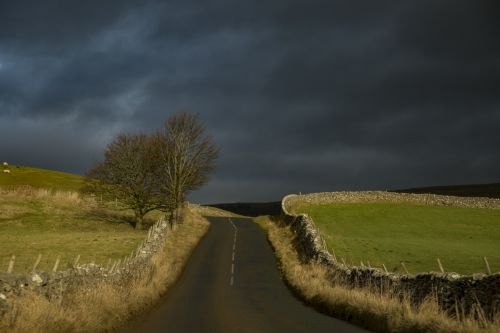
(231,284)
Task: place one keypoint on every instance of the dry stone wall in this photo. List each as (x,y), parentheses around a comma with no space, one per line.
(54,284)
(452,291)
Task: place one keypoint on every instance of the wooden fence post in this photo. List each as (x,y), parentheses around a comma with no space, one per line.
(37,262)
(109,264)
(11,264)
(75,263)
(440,265)
(487,266)
(56,265)
(334,256)
(404,267)
(117,266)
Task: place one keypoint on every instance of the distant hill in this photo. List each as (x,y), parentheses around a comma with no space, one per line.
(251,208)
(274,208)
(39,178)
(473,190)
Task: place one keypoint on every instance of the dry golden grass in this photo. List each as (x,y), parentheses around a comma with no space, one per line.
(377,312)
(106,306)
(45,193)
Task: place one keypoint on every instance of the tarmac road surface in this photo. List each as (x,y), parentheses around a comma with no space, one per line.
(231,284)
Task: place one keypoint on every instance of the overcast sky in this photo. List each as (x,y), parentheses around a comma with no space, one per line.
(300,95)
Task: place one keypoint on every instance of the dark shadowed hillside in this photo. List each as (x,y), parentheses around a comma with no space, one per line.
(251,208)
(474,190)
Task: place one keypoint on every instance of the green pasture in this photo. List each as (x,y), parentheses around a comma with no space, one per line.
(390,233)
(59,223)
(39,178)
(54,226)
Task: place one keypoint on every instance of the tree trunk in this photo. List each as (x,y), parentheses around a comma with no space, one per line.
(171,219)
(138,222)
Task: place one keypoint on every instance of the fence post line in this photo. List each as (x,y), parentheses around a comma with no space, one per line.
(11,264)
(440,265)
(487,266)
(38,259)
(56,265)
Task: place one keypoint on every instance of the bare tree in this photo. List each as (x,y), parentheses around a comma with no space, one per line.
(127,175)
(187,155)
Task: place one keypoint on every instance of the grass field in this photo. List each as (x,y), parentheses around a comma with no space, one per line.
(40,178)
(390,233)
(41,213)
(378,312)
(108,305)
(62,224)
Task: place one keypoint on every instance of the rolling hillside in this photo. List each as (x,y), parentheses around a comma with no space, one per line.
(53,221)
(39,178)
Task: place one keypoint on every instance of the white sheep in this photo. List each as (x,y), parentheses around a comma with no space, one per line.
(5,163)
(6,171)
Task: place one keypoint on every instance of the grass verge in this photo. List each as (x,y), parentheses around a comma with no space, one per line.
(107,306)
(376,312)
(390,233)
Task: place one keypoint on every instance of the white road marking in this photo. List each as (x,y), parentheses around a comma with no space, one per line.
(231,281)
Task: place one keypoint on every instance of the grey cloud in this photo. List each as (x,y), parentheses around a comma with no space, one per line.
(302,96)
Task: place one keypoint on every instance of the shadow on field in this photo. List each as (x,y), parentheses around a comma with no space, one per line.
(117,217)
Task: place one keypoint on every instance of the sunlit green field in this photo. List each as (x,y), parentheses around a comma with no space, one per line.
(388,233)
(52,221)
(39,178)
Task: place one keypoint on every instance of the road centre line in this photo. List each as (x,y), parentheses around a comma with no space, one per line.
(231,281)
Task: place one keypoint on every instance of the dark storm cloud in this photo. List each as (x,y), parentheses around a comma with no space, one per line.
(302,96)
